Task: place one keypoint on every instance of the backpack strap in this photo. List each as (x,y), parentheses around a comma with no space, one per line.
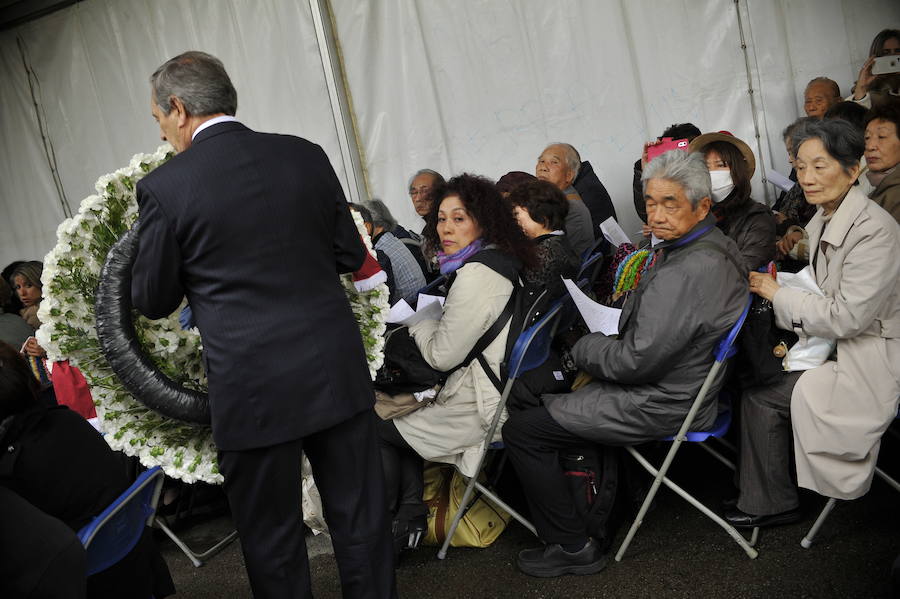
(487,338)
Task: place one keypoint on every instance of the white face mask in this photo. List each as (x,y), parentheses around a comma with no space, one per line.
(721,184)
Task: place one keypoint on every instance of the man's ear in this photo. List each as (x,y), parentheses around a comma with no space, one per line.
(178,106)
(703,207)
(368,228)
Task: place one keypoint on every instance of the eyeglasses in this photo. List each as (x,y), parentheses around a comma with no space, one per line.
(420,191)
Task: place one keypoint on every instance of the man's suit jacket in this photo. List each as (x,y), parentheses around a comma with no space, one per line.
(253,228)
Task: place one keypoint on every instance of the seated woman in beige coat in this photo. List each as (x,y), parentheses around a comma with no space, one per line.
(481,248)
(838,411)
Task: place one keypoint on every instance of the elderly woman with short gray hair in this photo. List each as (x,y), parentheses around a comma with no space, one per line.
(836,412)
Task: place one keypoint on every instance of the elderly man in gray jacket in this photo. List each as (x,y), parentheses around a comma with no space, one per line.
(643,379)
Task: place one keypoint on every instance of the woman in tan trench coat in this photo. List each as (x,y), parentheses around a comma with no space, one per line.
(839,410)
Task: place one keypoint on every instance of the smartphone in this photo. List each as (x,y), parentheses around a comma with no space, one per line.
(886,64)
(666,144)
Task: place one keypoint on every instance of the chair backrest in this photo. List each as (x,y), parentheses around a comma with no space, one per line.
(112,534)
(724,349)
(433,286)
(532,347)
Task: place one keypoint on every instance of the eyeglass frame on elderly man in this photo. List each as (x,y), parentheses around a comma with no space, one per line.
(424,189)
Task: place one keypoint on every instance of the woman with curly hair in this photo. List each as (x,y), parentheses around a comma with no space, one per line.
(480,247)
(750,224)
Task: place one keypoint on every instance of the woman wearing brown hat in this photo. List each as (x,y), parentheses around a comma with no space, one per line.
(750,224)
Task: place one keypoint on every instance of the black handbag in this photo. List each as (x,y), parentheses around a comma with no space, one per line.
(762,346)
(404,369)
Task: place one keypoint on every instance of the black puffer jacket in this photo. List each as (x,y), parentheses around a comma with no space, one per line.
(752,227)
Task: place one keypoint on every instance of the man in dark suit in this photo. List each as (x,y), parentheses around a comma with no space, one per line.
(253,228)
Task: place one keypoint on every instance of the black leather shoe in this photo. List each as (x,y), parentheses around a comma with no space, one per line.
(552,560)
(740,519)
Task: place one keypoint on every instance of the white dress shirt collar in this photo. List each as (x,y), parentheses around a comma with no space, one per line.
(213,121)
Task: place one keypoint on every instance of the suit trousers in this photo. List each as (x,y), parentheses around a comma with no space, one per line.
(533,441)
(766,453)
(263,486)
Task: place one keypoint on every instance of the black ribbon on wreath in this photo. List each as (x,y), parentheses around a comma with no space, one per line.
(120,345)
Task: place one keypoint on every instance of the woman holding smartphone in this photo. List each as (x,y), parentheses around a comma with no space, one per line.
(886,43)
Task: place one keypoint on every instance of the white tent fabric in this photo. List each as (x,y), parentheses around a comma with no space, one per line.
(484,86)
(94,60)
(454,85)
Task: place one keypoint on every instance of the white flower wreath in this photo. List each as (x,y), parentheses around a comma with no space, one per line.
(70,278)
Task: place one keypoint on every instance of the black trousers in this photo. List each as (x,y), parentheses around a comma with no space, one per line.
(533,442)
(767,449)
(263,486)
(404,475)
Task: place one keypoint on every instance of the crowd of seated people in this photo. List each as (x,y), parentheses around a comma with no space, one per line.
(709,239)
(711,243)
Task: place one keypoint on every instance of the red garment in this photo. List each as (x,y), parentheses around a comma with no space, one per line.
(369,274)
(72,390)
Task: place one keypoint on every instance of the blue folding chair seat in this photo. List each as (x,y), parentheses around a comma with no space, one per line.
(531,349)
(724,350)
(113,533)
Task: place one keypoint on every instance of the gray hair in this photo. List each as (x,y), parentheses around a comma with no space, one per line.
(573,158)
(842,141)
(686,169)
(438,178)
(197,79)
(381,216)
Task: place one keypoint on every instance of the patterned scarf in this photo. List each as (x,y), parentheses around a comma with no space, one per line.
(450,262)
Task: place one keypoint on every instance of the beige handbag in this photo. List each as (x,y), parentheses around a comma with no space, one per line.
(389,407)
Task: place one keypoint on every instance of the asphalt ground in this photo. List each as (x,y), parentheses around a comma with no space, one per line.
(677,553)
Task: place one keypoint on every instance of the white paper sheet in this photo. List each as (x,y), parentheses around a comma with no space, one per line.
(424,299)
(780,181)
(431,311)
(597,317)
(613,232)
(399,311)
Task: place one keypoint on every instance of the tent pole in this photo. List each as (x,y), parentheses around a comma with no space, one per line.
(354,169)
(35,91)
(760,162)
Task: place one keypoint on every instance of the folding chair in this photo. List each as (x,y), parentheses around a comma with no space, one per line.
(531,349)
(724,350)
(433,286)
(112,534)
(807,540)
(198,558)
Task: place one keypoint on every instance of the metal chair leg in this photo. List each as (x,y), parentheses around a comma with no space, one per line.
(811,535)
(196,558)
(660,478)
